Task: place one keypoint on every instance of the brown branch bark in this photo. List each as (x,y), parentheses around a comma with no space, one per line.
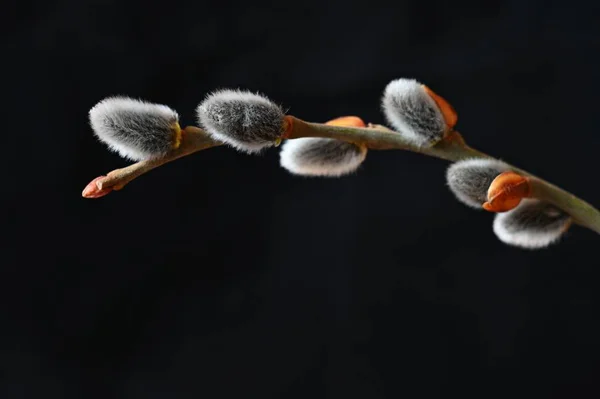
(193,139)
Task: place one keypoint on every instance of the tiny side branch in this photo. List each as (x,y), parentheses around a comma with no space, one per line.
(194,139)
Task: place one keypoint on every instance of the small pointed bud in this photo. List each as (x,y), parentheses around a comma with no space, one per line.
(135,129)
(533,224)
(506,192)
(246,121)
(314,156)
(470,179)
(92,190)
(354,121)
(414,112)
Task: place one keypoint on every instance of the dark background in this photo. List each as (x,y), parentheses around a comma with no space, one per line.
(223,276)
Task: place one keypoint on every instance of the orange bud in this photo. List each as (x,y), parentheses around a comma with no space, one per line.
(450,115)
(93,191)
(506,192)
(288,127)
(347,121)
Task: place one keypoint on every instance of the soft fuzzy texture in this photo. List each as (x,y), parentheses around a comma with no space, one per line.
(246,121)
(313,156)
(413,112)
(470,179)
(135,129)
(533,224)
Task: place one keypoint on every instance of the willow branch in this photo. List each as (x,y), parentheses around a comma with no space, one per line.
(194,139)
(453,148)
(376,137)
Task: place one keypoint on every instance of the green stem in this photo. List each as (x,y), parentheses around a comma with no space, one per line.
(582,212)
(382,138)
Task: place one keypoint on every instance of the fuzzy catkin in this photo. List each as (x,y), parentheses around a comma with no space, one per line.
(313,156)
(533,224)
(413,112)
(135,129)
(469,180)
(246,121)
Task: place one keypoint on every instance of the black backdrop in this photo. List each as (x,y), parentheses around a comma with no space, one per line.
(222,276)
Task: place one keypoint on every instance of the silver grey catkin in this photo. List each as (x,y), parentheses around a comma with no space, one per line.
(313,156)
(533,224)
(470,179)
(135,129)
(244,120)
(413,112)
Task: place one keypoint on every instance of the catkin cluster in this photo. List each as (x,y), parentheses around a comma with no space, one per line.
(251,122)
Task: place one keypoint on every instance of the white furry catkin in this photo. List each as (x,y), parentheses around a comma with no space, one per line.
(532,225)
(470,179)
(135,129)
(313,156)
(246,121)
(413,112)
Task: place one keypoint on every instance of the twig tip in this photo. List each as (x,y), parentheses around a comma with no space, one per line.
(94,189)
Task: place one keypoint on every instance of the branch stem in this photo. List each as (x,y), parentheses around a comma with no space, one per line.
(376,137)
(453,148)
(193,139)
